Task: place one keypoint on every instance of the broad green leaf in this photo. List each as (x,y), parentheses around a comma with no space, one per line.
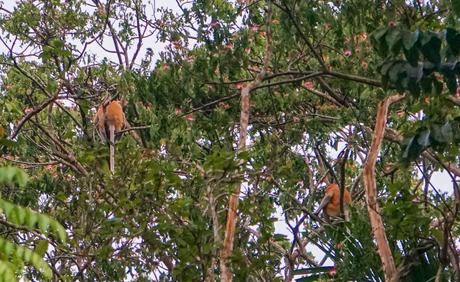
(412,56)
(447,132)
(451,82)
(431,47)
(379,33)
(386,67)
(409,39)
(424,138)
(436,134)
(453,39)
(395,71)
(393,38)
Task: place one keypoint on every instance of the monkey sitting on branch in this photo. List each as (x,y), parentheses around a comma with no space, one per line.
(330,204)
(110,121)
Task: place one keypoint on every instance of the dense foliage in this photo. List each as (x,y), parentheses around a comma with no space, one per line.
(162,214)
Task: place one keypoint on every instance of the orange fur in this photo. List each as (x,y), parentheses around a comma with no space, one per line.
(99,121)
(333,207)
(109,121)
(114,115)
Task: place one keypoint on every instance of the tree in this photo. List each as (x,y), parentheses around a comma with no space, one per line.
(33,229)
(306,76)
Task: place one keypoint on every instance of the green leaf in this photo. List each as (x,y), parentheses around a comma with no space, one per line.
(453,39)
(431,47)
(31,219)
(25,255)
(393,38)
(412,56)
(415,73)
(8,142)
(9,174)
(43,223)
(378,37)
(51,86)
(41,247)
(386,67)
(393,73)
(20,214)
(409,39)
(437,135)
(56,43)
(412,149)
(379,33)
(7,272)
(451,82)
(7,207)
(59,230)
(456,6)
(447,132)
(424,138)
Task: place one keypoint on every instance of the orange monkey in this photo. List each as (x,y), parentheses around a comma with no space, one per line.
(109,121)
(331,201)
(99,122)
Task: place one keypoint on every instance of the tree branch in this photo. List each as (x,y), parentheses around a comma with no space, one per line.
(227,249)
(378,229)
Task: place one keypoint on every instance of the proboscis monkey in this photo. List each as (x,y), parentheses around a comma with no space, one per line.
(109,121)
(99,122)
(330,203)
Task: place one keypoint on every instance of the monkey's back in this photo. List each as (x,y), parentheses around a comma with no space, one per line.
(114,115)
(333,207)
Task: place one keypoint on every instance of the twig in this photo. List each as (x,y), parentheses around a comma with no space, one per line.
(29,163)
(134,128)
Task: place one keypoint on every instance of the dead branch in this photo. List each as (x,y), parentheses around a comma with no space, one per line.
(378,229)
(227,249)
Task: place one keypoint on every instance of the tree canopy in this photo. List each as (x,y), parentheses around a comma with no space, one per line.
(236,126)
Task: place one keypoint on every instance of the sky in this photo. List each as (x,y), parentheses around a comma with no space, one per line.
(150,42)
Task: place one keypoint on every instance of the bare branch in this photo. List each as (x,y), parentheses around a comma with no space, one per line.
(226,273)
(378,229)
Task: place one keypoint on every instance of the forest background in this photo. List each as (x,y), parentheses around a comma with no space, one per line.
(241,112)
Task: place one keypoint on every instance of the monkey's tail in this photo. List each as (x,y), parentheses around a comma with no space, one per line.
(112,148)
